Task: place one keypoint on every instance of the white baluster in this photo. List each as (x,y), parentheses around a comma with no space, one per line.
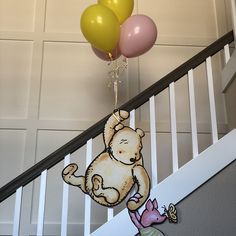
(110,213)
(42,194)
(175,164)
(212,100)
(132,119)
(16,223)
(193,113)
(226,53)
(153,141)
(87,216)
(65,202)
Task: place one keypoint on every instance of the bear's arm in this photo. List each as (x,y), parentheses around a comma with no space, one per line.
(115,119)
(143,181)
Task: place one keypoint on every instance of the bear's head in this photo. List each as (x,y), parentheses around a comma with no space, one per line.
(126,144)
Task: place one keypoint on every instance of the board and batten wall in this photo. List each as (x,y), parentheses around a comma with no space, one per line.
(52,87)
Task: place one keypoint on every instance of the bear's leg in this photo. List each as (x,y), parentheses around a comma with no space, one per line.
(70,178)
(111,195)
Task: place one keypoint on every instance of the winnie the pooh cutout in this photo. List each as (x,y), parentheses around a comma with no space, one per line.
(112,174)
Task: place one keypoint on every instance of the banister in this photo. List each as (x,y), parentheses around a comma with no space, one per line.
(73,145)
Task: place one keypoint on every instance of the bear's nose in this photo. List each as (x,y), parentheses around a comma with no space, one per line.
(132,159)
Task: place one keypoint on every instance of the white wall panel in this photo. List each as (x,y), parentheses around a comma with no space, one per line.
(15,62)
(17,15)
(182,20)
(12,144)
(50,140)
(7,215)
(74,83)
(64,16)
(228,14)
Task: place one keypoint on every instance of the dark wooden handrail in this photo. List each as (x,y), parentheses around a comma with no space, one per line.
(73,145)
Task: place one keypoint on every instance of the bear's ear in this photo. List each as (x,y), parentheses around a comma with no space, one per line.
(119,126)
(140,132)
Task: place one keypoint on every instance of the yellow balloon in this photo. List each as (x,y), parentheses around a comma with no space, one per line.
(100,27)
(122,8)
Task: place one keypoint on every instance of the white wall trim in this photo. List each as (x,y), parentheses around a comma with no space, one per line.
(164,40)
(67,125)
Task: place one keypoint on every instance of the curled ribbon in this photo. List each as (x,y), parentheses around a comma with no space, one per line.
(114,76)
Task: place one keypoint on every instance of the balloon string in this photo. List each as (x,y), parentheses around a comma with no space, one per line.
(116,93)
(114,75)
(110,56)
(116,83)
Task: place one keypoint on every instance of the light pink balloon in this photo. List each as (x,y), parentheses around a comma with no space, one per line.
(105,56)
(138,35)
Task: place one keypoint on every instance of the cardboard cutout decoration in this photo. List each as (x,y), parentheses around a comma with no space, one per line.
(151,216)
(112,174)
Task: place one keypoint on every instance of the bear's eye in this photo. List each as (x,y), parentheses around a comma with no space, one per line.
(120,152)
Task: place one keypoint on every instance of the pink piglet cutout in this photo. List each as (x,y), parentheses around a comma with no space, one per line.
(150,215)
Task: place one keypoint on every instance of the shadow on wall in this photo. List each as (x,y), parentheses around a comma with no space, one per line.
(201,213)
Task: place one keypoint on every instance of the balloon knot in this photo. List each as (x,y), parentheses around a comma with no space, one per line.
(110,56)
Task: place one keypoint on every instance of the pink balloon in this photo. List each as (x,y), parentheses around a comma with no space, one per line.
(105,56)
(138,35)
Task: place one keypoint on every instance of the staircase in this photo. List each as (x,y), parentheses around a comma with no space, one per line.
(208,163)
(181,183)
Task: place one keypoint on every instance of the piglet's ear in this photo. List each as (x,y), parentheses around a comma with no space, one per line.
(149,205)
(155,204)
(140,132)
(119,126)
